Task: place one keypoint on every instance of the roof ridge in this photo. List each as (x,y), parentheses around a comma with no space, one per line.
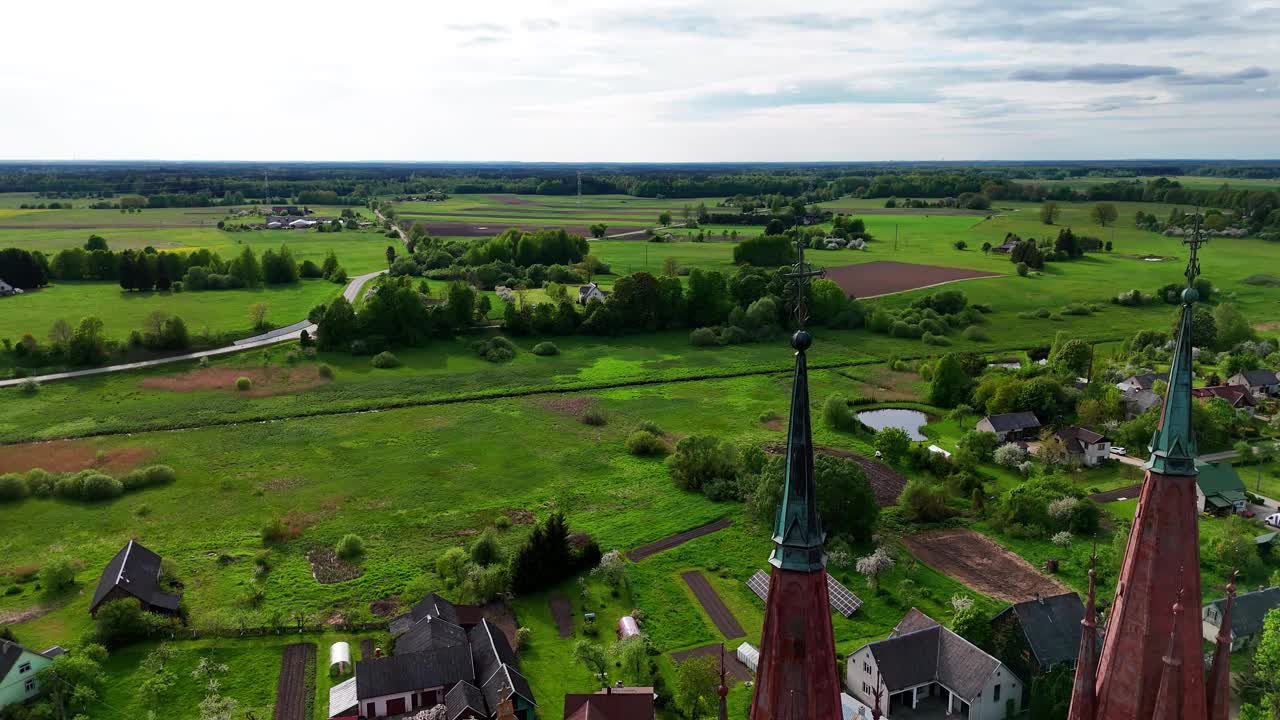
(124,561)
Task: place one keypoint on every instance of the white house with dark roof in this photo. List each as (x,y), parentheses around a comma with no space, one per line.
(1084,445)
(591,291)
(1259,382)
(923,666)
(1136,383)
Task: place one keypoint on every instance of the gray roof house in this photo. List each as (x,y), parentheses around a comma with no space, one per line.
(19,668)
(134,572)
(437,662)
(6,289)
(1011,426)
(1145,381)
(1034,636)
(925,667)
(1247,614)
(591,291)
(1259,382)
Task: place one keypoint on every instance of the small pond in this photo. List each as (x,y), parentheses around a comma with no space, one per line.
(909,421)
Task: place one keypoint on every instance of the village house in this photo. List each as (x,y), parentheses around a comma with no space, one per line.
(1247,614)
(1219,489)
(591,291)
(1138,402)
(1237,396)
(437,662)
(1011,426)
(19,668)
(1035,636)
(134,572)
(1135,383)
(616,703)
(1085,446)
(1259,382)
(6,289)
(1006,247)
(925,668)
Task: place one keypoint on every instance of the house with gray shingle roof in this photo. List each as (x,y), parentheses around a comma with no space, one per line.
(1247,615)
(923,666)
(134,572)
(1035,636)
(1011,426)
(1259,382)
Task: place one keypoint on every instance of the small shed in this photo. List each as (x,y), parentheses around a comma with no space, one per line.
(749,656)
(627,627)
(340,658)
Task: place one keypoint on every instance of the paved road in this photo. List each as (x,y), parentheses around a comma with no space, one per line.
(274,337)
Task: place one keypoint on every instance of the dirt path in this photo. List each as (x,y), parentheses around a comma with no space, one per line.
(291,691)
(671,541)
(1110,496)
(981,564)
(732,664)
(713,605)
(562,612)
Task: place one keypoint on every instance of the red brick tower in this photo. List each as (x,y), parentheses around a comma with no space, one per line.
(1137,658)
(797,677)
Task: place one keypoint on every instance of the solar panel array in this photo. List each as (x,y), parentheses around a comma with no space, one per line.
(842,600)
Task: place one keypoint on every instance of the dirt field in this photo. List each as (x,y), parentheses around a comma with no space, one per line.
(981,564)
(715,608)
(671,541)
(886,277)
(732,664)
(463,229)
(291,691)
(266,381)
(562,611)
(69,456)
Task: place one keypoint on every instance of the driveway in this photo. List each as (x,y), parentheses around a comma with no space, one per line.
(266,339)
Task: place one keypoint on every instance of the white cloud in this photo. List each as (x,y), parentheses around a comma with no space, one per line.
(651,80)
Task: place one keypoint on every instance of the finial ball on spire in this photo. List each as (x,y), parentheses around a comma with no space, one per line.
(801,340)
(1189,296)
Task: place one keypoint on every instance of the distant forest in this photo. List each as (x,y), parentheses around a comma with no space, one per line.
(173,184)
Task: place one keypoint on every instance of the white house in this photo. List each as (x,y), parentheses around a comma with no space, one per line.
(1259,382)
(589,292)
(18,671)
(924,666)
(1084,445)
(1136,383)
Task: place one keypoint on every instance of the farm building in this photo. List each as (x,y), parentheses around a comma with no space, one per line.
(1084,445)
(617,703)
(1247,613)
(1259,382)
(467,671)
(1135,383)
(1035,636)
(1011,426)
(433,605)
(591,291)
(1219,489)
(925,668)
(1237,396)
(18,672)
(6,289)
(134,572)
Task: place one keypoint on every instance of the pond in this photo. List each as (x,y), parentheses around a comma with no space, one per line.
(909,421)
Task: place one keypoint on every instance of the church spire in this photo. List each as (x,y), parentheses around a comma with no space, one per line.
(1169,697)
(1082,698)
(797,534)
(1219,687)
(797,678)
(1173,446)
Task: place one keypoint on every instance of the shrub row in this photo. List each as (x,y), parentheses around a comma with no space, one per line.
(86,485)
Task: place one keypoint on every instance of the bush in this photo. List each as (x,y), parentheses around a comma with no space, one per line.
(502,523)
(496,350)
(97,486)
(976,334)
(924,502)
(485,551)
(12,488)
(160,475)
(243,384)
(325,371)
(350,547)
(1023,269)
(594,417)
(385,360)
(41,483)
(837,415)
(645,444)
(29,387)
(703,337)
(57,575)
(546,349)
(274,531)
(701,460)
(931,339)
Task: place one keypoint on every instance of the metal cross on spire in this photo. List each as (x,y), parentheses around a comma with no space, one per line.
(802,273)
(1194,241)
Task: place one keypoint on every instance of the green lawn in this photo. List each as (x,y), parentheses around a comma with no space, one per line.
(123,311)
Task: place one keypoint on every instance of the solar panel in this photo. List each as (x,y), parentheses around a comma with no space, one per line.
(842,600)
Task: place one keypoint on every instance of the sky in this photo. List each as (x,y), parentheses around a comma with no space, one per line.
(641,80)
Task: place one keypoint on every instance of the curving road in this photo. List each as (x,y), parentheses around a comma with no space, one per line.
(274,337)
